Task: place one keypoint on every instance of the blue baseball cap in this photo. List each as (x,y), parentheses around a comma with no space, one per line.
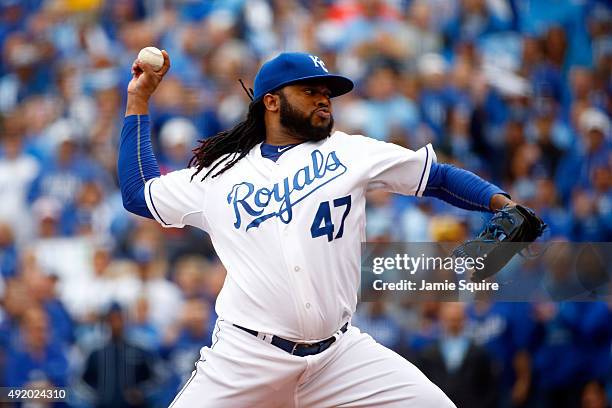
(291,67)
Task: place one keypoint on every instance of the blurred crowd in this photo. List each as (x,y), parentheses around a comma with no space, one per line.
(109,305)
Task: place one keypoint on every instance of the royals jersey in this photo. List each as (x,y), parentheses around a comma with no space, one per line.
(289,232)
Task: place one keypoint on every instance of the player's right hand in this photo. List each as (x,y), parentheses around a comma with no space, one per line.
(145,80)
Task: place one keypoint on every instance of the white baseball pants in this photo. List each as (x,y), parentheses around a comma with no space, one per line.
(240,370)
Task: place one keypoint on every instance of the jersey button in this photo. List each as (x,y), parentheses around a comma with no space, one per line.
(307,305)
(296,268)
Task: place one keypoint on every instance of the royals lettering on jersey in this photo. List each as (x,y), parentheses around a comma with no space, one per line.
(289,232)
(259,203)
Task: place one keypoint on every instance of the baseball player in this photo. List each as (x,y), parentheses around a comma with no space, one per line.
(282,196)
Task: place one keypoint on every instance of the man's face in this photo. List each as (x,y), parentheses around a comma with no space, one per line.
(306,111)
(452,317)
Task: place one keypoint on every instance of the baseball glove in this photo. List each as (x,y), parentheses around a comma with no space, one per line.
(517,225)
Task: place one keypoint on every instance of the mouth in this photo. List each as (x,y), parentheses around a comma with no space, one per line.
(323,113)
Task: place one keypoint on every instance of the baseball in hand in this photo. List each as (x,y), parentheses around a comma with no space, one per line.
(152,56)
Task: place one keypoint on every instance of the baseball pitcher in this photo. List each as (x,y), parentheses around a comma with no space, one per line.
(282,196)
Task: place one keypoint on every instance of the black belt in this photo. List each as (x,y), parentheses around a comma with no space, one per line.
(297,349)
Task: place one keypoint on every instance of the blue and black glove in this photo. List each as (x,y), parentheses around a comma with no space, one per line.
(508,232)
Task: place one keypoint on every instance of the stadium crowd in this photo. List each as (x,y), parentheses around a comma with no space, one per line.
(116,309)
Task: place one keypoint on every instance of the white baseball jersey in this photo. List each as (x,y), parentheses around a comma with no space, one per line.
(289,232)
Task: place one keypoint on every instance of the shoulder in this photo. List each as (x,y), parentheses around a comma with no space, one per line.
(193,173)
(366,146)
(186,173)
(187,179)
(341,136)
(350,142)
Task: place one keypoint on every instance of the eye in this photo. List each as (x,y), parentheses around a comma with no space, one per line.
(308,91)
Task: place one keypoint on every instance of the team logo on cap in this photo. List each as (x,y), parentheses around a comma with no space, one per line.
(318,62)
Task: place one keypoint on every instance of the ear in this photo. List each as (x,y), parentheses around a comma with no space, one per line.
(271,102)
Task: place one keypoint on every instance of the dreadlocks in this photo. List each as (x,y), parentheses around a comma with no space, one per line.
(234,144)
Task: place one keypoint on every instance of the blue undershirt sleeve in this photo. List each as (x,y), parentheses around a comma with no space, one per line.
(460,187)
(136,163)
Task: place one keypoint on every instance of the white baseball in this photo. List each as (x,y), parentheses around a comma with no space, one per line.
(152,56)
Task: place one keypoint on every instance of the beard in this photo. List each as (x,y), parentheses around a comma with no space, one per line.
(300,125)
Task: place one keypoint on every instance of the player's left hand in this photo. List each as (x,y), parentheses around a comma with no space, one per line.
(513,224)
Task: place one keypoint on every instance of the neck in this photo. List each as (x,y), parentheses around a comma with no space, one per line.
(282,139)
(277,135)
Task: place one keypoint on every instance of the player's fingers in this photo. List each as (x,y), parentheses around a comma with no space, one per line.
(148,69)
(136,69)
(166,65)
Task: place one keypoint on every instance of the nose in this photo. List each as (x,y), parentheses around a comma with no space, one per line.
(323,101)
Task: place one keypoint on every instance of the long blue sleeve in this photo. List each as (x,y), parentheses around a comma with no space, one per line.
(460,188)
(136,163)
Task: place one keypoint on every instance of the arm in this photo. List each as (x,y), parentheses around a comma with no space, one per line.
(464,189)
(399,170)
(136,161)
(521,362)
(136,164)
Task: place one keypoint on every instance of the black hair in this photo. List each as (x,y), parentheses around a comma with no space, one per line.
(231,144)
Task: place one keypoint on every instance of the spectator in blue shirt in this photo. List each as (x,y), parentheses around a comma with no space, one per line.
(88,214)
(540,16)
(62,176)
(546,203)
(384,112)
(36,359)
(586,225)
(140,330)
(434,102)
(558,358)
(61,323)
(594,322)
(364,33)
(374,319)
(478,17)
(182,342)
(601,179)
(544,77)
(27,59)
(593,149)
(427,330)
(506,331)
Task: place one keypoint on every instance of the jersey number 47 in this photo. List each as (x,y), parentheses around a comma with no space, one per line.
(323,224)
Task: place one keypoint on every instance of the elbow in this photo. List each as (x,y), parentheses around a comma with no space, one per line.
(136,204)
(125,196)
(131,199)
(126,204)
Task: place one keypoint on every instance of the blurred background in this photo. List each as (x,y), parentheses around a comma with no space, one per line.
(116,309)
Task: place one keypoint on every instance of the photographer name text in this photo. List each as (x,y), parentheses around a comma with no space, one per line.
(424,285)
